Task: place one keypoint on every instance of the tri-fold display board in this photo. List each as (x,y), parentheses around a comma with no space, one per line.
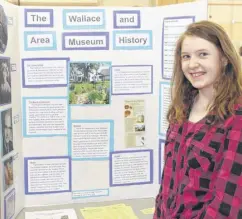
(84,93)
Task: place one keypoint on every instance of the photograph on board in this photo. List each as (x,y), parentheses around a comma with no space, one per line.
(5,81)
(3,30)
(134,120)
(9,202)
(89,83)
(7,173)
(7,132)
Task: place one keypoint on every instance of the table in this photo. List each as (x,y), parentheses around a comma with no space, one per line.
(136,204)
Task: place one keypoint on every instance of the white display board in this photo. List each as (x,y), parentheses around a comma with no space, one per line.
(11,140)
(89,95)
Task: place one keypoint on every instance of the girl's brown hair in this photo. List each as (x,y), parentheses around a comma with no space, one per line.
(229,86)
(240,51)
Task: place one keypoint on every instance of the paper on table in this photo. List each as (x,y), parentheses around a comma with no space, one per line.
(95,213)
(126,212)
(119,211)
(148,211)
(52,214)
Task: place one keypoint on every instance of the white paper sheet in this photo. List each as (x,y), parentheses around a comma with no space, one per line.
(55,214)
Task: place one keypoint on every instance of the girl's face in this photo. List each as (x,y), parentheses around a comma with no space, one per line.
(201,62)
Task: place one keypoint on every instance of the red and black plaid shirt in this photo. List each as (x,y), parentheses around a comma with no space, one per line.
(202,175)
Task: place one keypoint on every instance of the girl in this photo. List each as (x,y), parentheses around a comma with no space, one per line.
(202,175)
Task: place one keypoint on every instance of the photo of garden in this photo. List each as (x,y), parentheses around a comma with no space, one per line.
(89,83)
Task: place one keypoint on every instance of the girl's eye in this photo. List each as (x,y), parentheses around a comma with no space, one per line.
(185,56)
(203,54)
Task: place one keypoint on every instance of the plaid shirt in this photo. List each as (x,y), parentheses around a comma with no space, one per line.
(202,175)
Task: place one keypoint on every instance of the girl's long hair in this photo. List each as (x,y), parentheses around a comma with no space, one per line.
(229,86)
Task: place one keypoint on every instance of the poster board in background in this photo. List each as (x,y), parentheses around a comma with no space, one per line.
(11,148)
(111,99)
(88,120)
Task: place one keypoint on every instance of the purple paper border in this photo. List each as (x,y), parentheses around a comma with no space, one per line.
(106,34)
(161,141)
(132,66)
(162,51)
(115,26)
(5,203)
(129,184)
(8,58)
(38,25)
(48,85)
(26,159)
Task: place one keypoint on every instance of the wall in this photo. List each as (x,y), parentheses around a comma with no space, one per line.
(127,3)
(229,15)
(169,2)
(86,2)
(99,2)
